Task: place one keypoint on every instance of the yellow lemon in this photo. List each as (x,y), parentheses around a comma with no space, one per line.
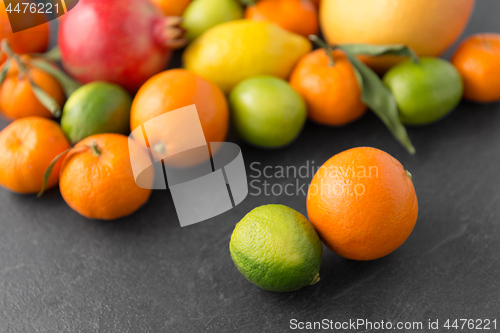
(234,51)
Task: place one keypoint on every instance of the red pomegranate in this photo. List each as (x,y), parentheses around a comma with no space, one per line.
(119,41)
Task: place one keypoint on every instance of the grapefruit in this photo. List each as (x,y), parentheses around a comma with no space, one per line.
(429,27)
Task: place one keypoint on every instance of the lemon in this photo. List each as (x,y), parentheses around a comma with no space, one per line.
(277,249)
(234,51)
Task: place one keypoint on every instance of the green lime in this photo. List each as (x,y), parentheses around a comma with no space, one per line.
(425,92)
(276,248)
(95,108)
(202,15)
(267,111)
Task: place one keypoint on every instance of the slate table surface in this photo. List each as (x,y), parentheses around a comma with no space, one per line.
(60,272)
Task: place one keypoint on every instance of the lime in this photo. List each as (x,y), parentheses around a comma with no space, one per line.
(202,15)
(267,111)
(425,92)
(95,108)
(276,248)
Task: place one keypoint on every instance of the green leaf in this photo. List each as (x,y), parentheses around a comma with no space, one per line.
(5,47)
(380,50)
(48,171)
(45,99)
(68,84)
(54,54)
(379,99)
(4,71)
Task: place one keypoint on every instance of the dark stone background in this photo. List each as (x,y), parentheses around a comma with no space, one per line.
(62,273)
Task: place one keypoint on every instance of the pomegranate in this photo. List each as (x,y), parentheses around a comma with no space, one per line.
(119,41)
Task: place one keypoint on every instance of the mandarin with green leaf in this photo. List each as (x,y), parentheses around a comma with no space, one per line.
(328,83)
(27,147)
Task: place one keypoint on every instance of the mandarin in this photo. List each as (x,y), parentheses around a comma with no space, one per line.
(362,203)
(172,7)
(330,88)
(297,16)
(17,99)
(34,40)
(27,148)
(177,88)
(96,177)
(478,62)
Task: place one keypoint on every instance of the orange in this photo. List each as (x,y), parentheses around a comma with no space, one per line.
(172,7)
(34,40)
(429,27)
(17,99)
(177,88)
(27,148)
(362,203)
(96,178)
(316,3)
(478,61)
(297,16)
(331,91)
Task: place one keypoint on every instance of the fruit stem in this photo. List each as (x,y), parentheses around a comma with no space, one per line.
(316,279)
(328,50)
(248,2)
(408,174)
(95,149)
(160,148)
(168,32)
(5,48)
(487,45)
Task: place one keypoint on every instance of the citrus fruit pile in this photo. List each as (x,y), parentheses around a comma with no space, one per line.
(260,65)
